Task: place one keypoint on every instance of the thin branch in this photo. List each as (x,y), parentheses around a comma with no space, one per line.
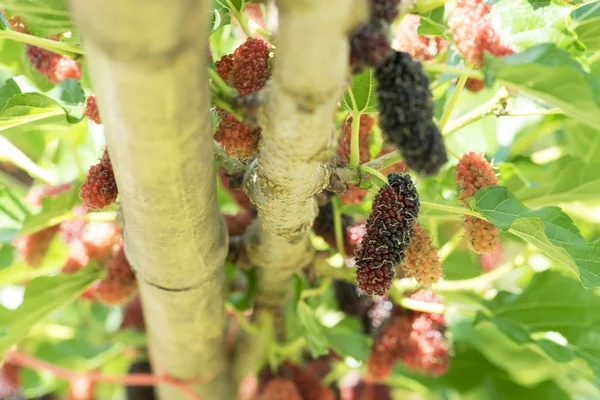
(451,245)
(25,360)
(374,172)
(495,106)
(54,46)
(453,101)
(450,209)
(448,69)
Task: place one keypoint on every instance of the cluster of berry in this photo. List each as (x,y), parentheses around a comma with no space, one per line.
(246,70)
(99,188)
(416,339)
(472,173)
(292,382)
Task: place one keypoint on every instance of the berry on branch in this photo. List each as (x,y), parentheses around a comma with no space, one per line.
(490,262)
(369,45)
(417,339)
(120,280)
(473,33)
(91,110)
(422,261)
(389,229)
(406,113)
(472,173)
(55,67)
(280,389)
(99,188)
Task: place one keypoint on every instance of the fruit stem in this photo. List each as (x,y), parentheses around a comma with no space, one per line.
(220,84)
(374,172)
(241,19)
(495,106)
(319,290)
(54,46)
(432,67)
(337,224)
(451,245)
(354,140)
(450,209)
(422,306)
(453,101)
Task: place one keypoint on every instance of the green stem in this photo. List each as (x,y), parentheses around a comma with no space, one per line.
(241,19)
(374,172)
(422,306)
(384,161)
(54,46)
(337,225)
(265,34)
(451,245)
(453,101)
(220,84)
(554,111)
(448,69)
(322,288)
(354,139)
(593,59)
(495,106)
(450,209)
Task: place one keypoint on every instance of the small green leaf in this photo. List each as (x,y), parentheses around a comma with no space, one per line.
(314,332)
(235,5)
(583,141)
(363,90)
(548,228)
(69,94)
(526,23)
(432,23)
(586,23)
(347,342)
(549,73)
(42,296)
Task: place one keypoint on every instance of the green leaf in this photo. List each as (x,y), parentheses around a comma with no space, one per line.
(42,296)
(567,180)
(349,342)
(363,90)
(552,303)
(42,17)
(235,5)
(586,23)
(12,214)
(69,94)
(549,73)
(547,228)
(583,141)
(55,210)
(526,23)
(432,23)
(314,333)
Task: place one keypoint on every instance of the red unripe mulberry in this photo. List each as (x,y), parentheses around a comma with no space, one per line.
(280,389)
(490,262)
(308,384)
(91,110)
(99,188)
(133,315)
(416,339)
(81,388)
(389,229)
(53,66)
(472,173)
(473,33)
(237,224)
(99,238)
(120,280)
(366,391)
(239,140)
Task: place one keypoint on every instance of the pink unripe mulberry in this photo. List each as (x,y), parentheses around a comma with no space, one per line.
(91,110)
(100,188)
(422,261)
(53,66)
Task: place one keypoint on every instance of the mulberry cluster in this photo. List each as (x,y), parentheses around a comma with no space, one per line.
(473,33)
(388,233)
(407,39)
(308,384)
(99,188)
(416,339)
(33,247)
(247,70)
(406,113)
(369,43)
(91,110)
(55,67)
(422,261)
(472,173)
(120,280)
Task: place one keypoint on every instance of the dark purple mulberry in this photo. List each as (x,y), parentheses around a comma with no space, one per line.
(385,10)
(406,113)
(369,45)
(389,230)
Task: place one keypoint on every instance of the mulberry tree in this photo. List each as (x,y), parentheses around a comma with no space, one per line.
(299,199)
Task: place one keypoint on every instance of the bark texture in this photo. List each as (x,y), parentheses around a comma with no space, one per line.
(147,61)
(310,74)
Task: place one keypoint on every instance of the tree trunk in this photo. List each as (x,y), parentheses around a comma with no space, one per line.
(148,61)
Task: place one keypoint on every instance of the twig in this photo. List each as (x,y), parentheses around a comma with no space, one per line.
(495,106)
(448,69)
(450,209)
(453,101)
(451,245)
(54,46)
(25,360)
